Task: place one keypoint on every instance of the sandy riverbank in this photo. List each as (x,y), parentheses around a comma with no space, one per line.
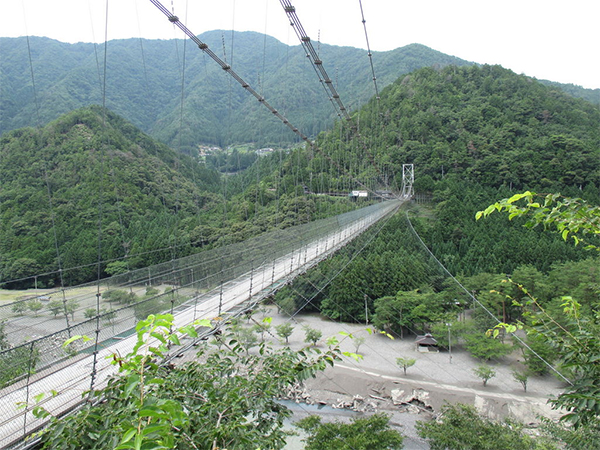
(376,379)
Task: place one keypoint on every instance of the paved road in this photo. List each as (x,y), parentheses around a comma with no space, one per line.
(72,379)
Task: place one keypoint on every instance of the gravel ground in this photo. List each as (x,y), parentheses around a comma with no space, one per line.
(434,378)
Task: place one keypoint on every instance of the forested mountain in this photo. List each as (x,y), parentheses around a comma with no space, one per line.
(144,84)
(475,135)
(591,95)
(89,173)
(462,127)
(486,125)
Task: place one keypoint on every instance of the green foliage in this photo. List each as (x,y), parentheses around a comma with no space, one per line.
(3,340)
(572,217)
(405,363)
(287,305)
(462,428)
(148,81)
(224,399)
(262,327)
(16,362)
(358,341)
(150,305)
(116,268)
(488,126)
(19,308)
(521,377)
(72,307)
(484,372)
(484,347)
(439,331)
(284,331)
(108,315)
(407,310)
(311,335)
(571,330)
(583,437)
(35,306)
(121,297)
(366,433)
(158,205)
(151,291)
(59,166)
(467,247)
(537,353)
(389,262)
(56,307)
(246,337)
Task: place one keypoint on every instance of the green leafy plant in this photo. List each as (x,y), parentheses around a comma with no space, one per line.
(19,308)
(521,377)
(312,336)
(284,331)
(56,307)
(35,306)
(365,433)
(460,427)
(225,398)
(405,363)
(573,334)
(572,217)
(484,372)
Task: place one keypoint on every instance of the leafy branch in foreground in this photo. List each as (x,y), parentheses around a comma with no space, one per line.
(575,334)
(572,217)
(225,398)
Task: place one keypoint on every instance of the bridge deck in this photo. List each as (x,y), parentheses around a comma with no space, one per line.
(71,378)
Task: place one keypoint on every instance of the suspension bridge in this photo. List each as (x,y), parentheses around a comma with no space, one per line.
(224,282)
(205,287)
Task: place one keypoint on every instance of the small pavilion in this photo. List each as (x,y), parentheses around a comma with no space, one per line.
(426,343)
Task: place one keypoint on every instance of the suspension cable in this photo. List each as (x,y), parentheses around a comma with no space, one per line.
(369,52)
(316,62)
(227,68)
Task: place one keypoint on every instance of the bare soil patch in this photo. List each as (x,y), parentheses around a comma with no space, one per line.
(372,383)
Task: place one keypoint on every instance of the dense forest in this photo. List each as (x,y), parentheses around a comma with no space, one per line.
(145,85)
(474,134)
(91,186)
(488,126)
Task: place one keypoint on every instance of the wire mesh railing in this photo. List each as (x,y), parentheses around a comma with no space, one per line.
(198,286)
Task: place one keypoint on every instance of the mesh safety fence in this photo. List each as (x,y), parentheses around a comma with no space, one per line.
(39,370)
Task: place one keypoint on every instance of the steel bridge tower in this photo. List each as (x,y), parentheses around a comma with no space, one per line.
(408,178)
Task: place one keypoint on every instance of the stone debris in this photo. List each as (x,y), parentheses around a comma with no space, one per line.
(414,401)
(299,394)
(357,403)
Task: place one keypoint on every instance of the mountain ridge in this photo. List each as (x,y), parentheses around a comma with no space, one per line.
(145,87)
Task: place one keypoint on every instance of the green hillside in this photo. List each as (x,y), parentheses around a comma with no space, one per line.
(86,174)
(468,130)
(91,174)
(144,84)
(488,126)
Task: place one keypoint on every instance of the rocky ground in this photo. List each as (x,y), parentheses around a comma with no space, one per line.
(376,383)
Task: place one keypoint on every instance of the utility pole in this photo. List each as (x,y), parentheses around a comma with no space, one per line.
(366,311)
(448,324)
